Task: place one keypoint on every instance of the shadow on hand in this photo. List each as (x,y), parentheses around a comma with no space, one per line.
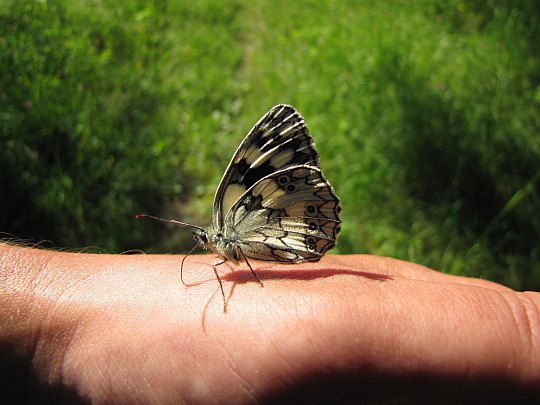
(243,275)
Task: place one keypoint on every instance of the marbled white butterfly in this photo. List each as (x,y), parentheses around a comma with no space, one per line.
(273,202)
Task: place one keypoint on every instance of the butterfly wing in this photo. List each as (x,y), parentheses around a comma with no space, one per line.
(292,215)
(279,140)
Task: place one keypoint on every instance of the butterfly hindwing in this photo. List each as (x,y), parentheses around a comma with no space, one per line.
(291,215)
(279,140)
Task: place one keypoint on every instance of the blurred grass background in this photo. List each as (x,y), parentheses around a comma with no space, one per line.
(426,115)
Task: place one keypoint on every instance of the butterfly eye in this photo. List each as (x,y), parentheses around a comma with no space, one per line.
(201,238)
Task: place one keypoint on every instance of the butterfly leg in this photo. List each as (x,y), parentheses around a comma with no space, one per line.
(249,265)
(220,283)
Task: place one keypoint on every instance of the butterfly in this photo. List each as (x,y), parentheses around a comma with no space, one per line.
(273,202)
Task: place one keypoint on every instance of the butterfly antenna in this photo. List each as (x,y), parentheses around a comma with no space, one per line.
(182,265)
(172,221)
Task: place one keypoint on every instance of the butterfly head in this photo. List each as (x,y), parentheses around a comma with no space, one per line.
(201,237)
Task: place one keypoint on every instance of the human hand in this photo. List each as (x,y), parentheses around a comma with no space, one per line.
(123,329)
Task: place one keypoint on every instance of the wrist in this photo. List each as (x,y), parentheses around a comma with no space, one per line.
(33,320)
(20,272)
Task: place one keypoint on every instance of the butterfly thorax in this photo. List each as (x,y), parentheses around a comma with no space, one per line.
(218,242)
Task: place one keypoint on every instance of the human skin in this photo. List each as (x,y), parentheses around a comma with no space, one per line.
(123,329)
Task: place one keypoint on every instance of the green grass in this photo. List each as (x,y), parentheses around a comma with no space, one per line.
(426,114)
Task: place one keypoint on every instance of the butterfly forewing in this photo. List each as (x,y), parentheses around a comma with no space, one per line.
(279,140)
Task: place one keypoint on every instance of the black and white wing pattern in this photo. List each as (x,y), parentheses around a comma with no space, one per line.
(273,202)
(292,215)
